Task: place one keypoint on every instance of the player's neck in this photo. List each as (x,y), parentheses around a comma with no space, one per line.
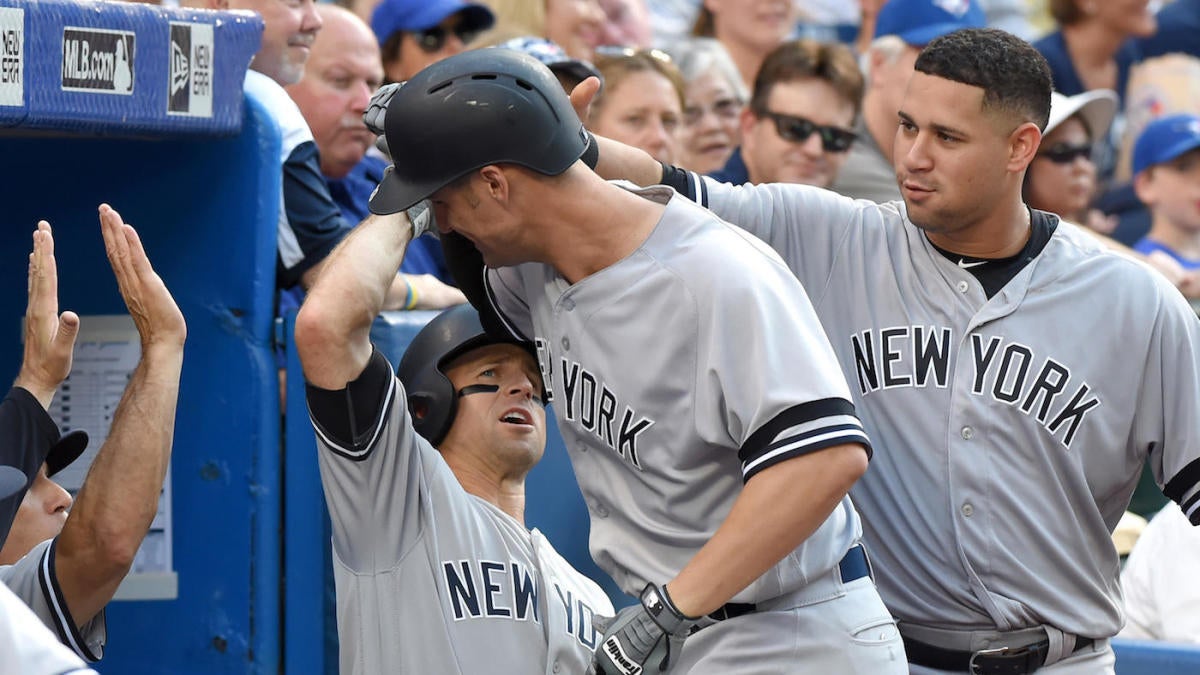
(599,230)
(1183,242)
(506,493)
(1003,233)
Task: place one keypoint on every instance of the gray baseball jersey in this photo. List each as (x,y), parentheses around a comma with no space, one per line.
(1011,430)
(34,580)
(27,647)
(430,578)
(676,374)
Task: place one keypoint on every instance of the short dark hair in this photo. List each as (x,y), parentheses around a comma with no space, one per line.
(803,59)
(1014,76)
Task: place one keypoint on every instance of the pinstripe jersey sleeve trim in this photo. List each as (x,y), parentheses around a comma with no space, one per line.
(687,183)
(800,430)
(509,326)
(1183,490)
(335,415)
(64,625)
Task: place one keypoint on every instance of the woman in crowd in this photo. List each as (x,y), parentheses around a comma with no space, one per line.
(748,29)
(575,25)
(714,97)
(641,103)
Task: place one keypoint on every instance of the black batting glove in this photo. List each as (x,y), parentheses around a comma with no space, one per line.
(646,637)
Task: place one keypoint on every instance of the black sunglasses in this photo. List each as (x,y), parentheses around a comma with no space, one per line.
(1062,153)
(797,130)
(433,39)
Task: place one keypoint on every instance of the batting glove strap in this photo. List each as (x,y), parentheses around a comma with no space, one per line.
(658,605)
(421,216)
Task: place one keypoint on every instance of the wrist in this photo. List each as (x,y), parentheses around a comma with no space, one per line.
(662,609)
(42,392)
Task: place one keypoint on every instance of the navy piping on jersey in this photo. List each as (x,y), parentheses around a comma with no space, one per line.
(827,422)
(323,404)
(491,296)
(68,632)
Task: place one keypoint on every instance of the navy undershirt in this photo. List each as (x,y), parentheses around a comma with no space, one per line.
(994,273)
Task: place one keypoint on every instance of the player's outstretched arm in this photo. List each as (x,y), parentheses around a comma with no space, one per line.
(777,510)
(49,336)
(334,324)
(119,498)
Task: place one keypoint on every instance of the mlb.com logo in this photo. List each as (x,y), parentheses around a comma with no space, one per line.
(190,75)
(955,7)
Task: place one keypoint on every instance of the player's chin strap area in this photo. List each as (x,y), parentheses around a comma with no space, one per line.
(989,652)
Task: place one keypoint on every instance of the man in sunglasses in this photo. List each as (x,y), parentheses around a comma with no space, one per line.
(416,33)
(797,128)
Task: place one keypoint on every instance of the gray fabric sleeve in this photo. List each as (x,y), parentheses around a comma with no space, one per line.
(34,580)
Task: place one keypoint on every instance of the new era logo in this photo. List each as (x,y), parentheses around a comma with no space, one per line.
(190,71)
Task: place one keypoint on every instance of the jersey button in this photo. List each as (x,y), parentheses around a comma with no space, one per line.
(968,433)
(601,512)
(568,304)
(968,510)
(566,343)
(963,286)
(556,666)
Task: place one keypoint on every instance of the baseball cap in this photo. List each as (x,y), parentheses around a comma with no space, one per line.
(1164,139)
(553,56)
(67,449)
(391,16)
(919,22)
(1097,108)
(11,481)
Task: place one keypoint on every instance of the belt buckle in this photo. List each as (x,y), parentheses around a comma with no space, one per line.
(977,668)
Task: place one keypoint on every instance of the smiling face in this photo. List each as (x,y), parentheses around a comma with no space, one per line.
(711,128)
(289,28)
(1172,190)
(506,425)
(771,158)
(643,111)
(575,25)
(762,24)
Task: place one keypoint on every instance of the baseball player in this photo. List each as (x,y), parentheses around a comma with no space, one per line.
(711,433)
(1014,374)
(434,568)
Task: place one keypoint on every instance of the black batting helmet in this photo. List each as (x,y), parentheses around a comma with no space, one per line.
(486,106)
(432,400)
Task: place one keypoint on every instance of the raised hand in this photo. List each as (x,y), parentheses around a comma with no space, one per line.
(49,336)
(154,311)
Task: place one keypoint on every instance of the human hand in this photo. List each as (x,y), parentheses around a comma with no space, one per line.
(582,96)
(646,637)
(49,336)
(1097,221)
(154,312)
(376,113)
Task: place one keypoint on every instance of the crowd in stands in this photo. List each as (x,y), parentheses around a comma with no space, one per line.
(744,91)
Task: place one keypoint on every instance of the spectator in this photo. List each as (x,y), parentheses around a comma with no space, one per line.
(1159,580)
(570,72)
(408,519)
(1178,27)
(310,223)
(1062,178)
(714,97)
(342,73)
(48,343)
(413,34)
(748,29)
(642,101)
(1166,167)
(575,25)
(67,566)
(626,24)
(902,28)
(798,126)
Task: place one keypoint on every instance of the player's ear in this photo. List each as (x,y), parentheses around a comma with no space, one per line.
(1023,145)
(496,181)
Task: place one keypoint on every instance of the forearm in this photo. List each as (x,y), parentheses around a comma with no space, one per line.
(120,496)
(776,511)
(334,324)
(618,161)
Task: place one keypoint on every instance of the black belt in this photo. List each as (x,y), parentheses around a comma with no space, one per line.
(1001,661)
(853,565)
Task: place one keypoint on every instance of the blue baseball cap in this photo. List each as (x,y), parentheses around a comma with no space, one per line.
(411,16)
(553,57)
(919,22)
(1164,139)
